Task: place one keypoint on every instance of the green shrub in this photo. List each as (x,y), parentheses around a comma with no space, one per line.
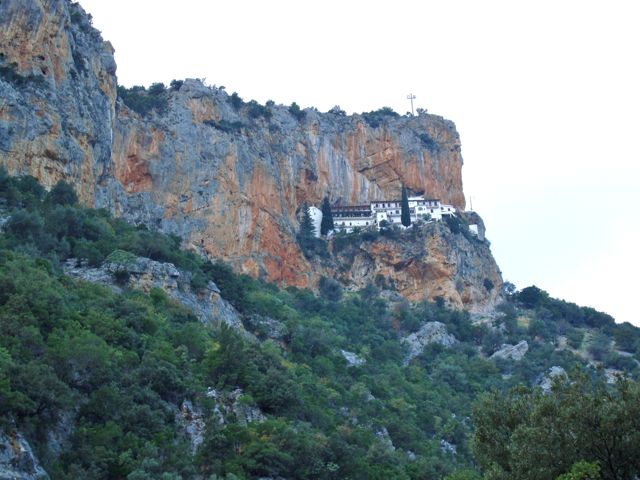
(337,111)
(428,141)
(121,257)
(140,101)
(297,112)
(375,118)
(255,110)
(62,193)
(330,289)
(599,346)
(157,89)
(236,101)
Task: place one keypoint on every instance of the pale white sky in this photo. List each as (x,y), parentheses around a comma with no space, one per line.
(545,95)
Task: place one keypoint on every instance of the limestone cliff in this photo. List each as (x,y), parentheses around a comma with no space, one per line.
(227,177)
(429,262)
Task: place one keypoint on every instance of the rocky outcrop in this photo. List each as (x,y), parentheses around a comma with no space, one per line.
(429,333)
(17,460)
(265,327)
(448,448)
(383,436)
(511,352)
(353,359)
(228,178)
(192,421)
(426,263)
(228,407)
(234,406)
(145,274)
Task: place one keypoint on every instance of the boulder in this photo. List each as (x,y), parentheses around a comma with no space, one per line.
(430,332)
(512,352)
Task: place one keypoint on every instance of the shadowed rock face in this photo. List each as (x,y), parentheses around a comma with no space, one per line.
(232,192)
(17,460)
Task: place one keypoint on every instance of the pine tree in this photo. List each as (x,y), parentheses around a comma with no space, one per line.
(307,229)
(327,218)
(306,235)
(405,214)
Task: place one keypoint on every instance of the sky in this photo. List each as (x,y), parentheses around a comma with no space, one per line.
(545,96)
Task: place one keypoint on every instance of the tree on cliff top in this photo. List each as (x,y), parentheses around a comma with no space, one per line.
(327,218)
(405,214)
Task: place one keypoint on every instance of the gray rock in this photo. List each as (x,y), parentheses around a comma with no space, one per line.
(385,439)
(266,327)
(191,419)
(234,406)
(547,380)
(353,359)
(430,332)
(613,375)
(512,352)
(59,437)
(3,220)
(448,448)
(146,274)
(17,460)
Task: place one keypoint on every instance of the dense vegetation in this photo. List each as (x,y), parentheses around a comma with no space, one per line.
(529,435)
(144,101)
(375,118)
(95,378)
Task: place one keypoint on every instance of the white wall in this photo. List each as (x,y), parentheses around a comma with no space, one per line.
(316,218)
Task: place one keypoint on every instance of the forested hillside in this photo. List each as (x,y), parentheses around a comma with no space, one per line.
(108,382)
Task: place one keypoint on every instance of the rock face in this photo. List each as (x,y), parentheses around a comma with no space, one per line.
(512,352)
(233,406)
(227,179)
(427,263)
(17,461)
(430,332)
(228,407)
(57,94)
(145,274)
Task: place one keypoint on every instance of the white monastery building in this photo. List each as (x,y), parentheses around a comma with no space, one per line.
(346,218)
